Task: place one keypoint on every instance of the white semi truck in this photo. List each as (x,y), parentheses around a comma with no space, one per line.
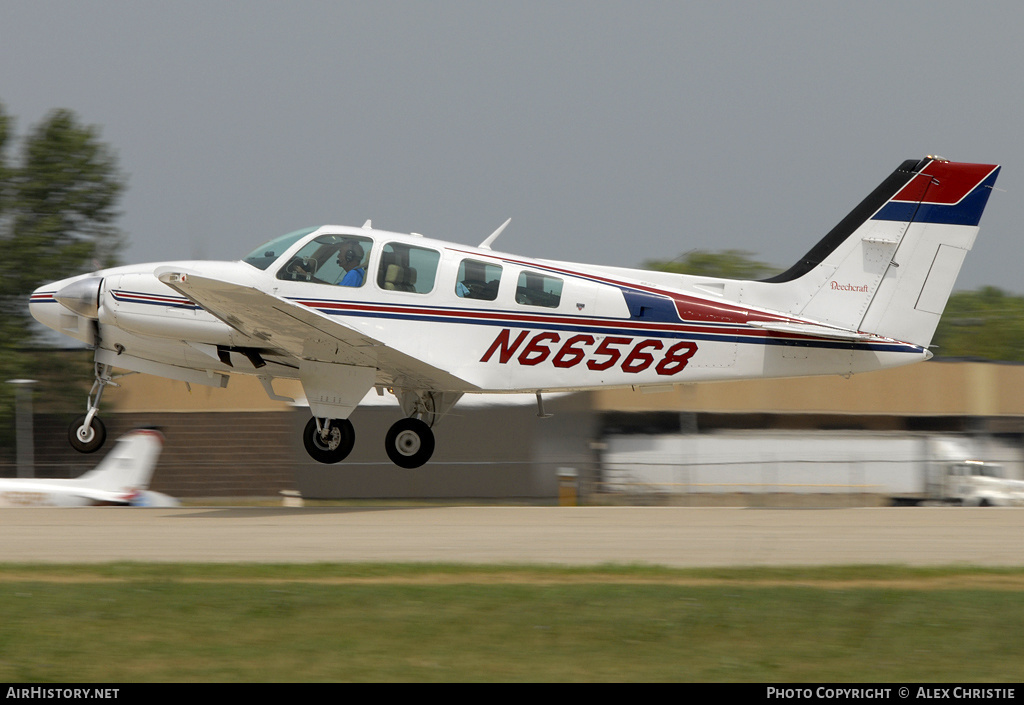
(971,483)
(908,469)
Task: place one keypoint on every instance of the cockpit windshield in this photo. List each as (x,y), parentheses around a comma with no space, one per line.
(267,253)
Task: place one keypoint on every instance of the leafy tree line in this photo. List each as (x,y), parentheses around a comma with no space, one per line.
(987,323)
(59,191)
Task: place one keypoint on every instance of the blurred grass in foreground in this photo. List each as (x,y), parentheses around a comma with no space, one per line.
(128,622)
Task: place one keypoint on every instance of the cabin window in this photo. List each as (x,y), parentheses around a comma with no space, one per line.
(478,280)
(407,268)
(535,289)
(330,259)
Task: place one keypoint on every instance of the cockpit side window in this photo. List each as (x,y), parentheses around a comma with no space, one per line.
(330,259)
(478,280)
(536,289)
(407,268)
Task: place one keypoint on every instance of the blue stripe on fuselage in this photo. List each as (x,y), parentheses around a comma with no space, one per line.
(596,326)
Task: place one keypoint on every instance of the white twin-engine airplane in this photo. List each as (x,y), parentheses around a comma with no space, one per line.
(121,478)
(348,309)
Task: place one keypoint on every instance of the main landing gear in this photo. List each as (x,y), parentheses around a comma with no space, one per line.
(87,434)
(329,441)
(409,443)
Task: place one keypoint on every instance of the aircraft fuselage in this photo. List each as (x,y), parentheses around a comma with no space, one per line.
(601,328)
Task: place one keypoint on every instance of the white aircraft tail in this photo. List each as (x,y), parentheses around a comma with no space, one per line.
(889,266)
(128,466)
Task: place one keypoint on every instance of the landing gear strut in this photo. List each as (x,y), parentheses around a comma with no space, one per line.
(329,442)
(87,433)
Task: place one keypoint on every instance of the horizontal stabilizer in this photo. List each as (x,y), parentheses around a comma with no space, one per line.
(809,329)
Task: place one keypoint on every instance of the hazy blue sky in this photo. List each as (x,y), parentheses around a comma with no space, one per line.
(610,132)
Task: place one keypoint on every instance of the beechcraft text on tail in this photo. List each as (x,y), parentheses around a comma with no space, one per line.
(348,309)
(121,478)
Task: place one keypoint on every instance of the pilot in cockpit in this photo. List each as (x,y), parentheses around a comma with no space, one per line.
(350,258)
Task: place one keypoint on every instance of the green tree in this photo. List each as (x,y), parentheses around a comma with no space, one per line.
(987,323)
(58,207)
(728,264)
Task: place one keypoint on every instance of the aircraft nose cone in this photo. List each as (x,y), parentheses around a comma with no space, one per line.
(81,297)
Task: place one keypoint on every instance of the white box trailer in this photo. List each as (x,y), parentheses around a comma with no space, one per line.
(913,467)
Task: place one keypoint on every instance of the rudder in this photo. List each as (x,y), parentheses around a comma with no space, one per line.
(941,210)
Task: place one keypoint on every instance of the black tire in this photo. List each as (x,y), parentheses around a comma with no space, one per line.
(341,438)
(87,440)
(409,443)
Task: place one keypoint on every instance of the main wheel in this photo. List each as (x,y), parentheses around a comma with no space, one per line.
(87,439)
(409,443)
(341,437)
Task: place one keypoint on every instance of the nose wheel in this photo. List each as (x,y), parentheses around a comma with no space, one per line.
(409,443)
(87,435)
(330,441)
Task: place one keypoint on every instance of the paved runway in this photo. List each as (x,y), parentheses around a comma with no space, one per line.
(670,536)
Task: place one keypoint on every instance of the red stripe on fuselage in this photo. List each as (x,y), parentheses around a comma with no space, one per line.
(688,308)
(519,320)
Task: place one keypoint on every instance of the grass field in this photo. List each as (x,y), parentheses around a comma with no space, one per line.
(130,622)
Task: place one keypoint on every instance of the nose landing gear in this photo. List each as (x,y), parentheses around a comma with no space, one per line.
(87,434)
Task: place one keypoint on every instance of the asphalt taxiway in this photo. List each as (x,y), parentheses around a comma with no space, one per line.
(669,536)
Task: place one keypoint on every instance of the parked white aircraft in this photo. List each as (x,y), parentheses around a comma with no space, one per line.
(121,478)
(347,309)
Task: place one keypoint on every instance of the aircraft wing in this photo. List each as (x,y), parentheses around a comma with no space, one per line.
(302,332)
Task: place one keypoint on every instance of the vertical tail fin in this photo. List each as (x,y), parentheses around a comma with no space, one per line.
(129,465)
(889,266)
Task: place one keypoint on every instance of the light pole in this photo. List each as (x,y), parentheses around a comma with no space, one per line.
(24,443)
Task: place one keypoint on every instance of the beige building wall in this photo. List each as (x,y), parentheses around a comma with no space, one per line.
(926,389)
(214,454)
(146,393)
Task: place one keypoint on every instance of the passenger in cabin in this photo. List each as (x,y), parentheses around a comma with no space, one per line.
(350,258)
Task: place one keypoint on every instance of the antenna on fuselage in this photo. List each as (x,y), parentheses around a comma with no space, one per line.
(486,244)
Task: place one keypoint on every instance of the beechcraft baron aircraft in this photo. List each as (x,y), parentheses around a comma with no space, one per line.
(348,309)
(121,478)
